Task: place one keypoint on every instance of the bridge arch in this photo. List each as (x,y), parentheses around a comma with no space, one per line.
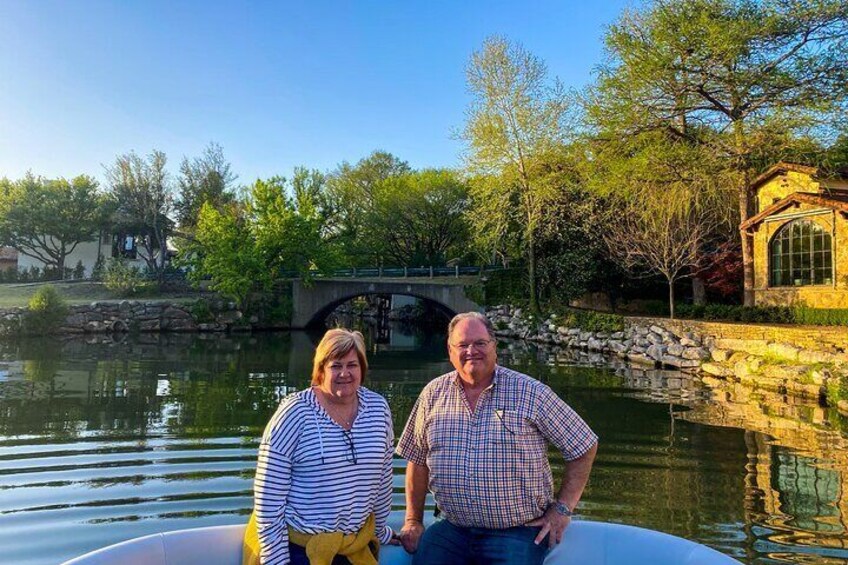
(312,304)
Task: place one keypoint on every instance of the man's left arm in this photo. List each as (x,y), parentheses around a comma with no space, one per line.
(564,428)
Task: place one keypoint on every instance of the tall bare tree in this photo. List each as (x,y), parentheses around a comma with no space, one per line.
(661,234)
(143,198)
(516,116)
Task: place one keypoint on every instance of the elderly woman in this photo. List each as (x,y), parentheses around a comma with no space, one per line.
(324,476)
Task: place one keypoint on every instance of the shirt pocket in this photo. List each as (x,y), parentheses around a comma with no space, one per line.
(511,426)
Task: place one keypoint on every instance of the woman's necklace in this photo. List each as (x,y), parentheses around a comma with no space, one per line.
(342,414)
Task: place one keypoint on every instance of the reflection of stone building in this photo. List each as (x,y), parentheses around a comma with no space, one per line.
(794,495)
(800,236)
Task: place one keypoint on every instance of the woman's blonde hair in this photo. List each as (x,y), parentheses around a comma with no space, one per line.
(334,345)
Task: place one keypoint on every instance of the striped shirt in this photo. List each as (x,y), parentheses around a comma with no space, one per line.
(489,468)
(314,476)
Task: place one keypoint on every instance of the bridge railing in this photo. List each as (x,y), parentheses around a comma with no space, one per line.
(400,272)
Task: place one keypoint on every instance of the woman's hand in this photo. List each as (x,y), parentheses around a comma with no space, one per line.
(395,539)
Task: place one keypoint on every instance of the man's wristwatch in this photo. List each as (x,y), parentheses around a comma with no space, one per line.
(562,508)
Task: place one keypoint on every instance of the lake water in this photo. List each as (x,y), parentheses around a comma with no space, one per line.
(109,440)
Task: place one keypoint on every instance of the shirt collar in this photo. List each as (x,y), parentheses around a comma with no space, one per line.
(456,378)
(312,398)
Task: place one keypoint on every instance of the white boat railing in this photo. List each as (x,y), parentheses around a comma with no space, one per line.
(585,543)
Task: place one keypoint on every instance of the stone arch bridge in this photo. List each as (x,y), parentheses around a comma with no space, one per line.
(312,303)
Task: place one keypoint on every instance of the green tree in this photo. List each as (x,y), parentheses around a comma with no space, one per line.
(281,227)
(351,195)
(228,253)
(515,119)
(418,218)
(207,178)
(142,195)
(733,75)
(47,219)
(289,223)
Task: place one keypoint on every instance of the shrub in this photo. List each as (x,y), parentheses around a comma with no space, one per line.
(46,311)
(591,321)
(98,270)
(765,314)
(124,279)
(79,271)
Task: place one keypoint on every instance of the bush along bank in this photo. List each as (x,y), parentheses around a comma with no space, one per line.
(820,375)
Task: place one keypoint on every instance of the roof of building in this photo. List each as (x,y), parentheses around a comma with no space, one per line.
(783,167)
(836,200)
(8,253)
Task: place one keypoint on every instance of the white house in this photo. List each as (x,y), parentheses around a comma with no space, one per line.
(107,245)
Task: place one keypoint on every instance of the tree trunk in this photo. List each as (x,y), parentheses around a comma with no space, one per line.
(746,209)
(531,272)
(699,291)
(671,298)
(745,202)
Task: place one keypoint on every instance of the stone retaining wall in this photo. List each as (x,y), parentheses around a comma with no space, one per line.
(141,316)
(809,362)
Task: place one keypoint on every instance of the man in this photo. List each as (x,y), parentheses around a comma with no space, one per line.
(477,437)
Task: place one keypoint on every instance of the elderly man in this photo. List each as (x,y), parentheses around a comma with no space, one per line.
(477,437)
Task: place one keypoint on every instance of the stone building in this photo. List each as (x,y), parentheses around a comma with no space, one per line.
(800,236)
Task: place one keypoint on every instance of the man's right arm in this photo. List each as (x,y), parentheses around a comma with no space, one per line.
(417,478)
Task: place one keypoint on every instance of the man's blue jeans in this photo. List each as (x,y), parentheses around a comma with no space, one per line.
(446,544)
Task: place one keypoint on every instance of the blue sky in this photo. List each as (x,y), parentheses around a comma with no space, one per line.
(277,84)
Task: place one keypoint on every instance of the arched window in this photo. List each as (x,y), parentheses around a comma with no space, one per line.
(801,253)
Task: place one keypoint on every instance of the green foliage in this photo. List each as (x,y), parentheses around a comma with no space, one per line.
(245,247)
(515,120)
(476,293)
(98,269)
(46,311)
(79,271)
(418,218)
(47,219)
(589,320)
(225,251)
(124,279)
(738,81)
(207,178)
(821,316)
(141,193)
(765,314)
(201,312)
(508,286)
(351,191)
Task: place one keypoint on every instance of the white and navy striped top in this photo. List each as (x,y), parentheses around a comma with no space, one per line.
(314,476)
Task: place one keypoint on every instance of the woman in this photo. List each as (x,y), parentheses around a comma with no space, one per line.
(325,461)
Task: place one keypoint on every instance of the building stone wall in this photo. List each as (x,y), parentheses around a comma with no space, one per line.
(833,295)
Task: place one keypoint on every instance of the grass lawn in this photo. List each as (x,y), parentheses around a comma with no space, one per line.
(83,293)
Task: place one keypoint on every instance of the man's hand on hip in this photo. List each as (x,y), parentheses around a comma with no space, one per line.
(410,535)
(553,526)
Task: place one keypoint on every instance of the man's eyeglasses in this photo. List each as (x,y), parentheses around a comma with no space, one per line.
(479,345)
(348,436)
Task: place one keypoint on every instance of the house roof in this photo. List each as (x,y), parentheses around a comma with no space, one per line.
(836,200)
(780,168)
(783,167)
(8,253)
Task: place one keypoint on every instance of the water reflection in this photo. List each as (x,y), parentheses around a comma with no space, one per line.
(102,440)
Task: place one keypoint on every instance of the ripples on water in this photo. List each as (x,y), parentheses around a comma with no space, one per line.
(107,441)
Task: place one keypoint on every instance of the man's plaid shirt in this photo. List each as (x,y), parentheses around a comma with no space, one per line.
(490,468)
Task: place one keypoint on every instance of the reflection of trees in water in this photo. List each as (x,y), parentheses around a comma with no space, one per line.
(217,383)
